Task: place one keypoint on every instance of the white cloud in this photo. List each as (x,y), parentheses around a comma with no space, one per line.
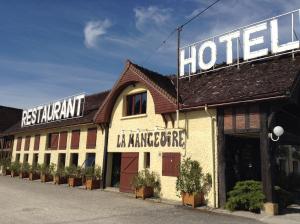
(151,16)
(93,30)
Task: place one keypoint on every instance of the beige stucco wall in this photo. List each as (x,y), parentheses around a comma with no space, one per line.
(200,139)
(54,153)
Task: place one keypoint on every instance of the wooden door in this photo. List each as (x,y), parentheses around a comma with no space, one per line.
(129,168)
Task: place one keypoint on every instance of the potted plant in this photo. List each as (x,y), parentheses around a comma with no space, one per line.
(15,169)
(34,173)
(60,176)
(24,170)
(93,177)
(74,176)
(5,166)
(192,184)
(46,172)
(144,183)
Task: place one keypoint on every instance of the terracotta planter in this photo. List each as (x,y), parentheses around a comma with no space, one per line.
(23,175)
(60,180)
(14,174)
(34,176)
(91,184)
(193,200)
(144,192)
(74,181)
(46,178)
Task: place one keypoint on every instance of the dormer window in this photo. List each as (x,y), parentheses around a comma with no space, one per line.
(136,104)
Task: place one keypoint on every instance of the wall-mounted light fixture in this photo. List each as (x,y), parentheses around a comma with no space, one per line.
(277,131)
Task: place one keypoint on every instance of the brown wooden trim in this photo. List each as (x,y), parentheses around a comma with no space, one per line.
(221,158)
(266,156)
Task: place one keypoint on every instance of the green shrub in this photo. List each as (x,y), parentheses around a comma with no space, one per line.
(15,167)
(74,171)
(145,178)
(46,169)
(246,195)
(25,167)
(5,163)
(191,178)
(93,172)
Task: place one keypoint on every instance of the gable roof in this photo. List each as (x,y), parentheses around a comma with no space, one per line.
(91,105)
(8,117)
(261,80)
(161,88)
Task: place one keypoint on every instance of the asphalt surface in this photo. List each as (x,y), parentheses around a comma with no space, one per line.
(27,202)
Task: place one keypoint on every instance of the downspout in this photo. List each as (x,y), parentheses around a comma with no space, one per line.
(104,164)
(213,152)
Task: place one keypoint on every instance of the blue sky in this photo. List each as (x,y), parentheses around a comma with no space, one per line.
(56,48)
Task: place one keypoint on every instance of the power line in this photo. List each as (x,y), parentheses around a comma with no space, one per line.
(180,28)
(198,14)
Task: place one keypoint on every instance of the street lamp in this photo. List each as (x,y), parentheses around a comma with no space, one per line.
(278,131)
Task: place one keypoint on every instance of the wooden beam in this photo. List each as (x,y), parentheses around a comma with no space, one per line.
(172,119)
(165,120)
(221,158)
(266,156)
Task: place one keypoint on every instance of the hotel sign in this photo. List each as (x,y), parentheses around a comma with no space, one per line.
(267,38)
(156,139)
(67,108)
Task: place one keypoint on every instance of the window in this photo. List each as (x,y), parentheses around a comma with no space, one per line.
(90,159)
(74,159)
(19,143)
(25,159)
(27,143)
(36,142)
(170,164)
(63,140)
(47,159)
(35,159)
(146,160)
(136,104)
(53,140)
(17,157)
(295,166)
(75,139)
(282,164)
(61,160)
(91,138)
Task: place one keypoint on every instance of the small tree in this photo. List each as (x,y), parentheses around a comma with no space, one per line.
(15,167)
(145,178)
(246,195)
(191,178)
(25,167)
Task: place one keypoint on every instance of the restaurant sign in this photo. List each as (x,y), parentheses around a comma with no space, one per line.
(66,108)
(156,139)
(267,38)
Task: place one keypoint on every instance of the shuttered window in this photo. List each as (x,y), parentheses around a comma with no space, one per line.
(19,143)
(170,164)
(53,140)
(27,143)
(91,138)
(63,140)
(75,139)
(36,142)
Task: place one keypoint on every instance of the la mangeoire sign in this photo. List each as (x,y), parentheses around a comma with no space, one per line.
(71,107)
(155,139)
(258,40)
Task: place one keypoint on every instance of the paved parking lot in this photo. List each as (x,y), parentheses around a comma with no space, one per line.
(27,202)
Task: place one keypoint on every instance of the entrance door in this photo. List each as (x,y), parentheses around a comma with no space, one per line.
(116,170)
(242,160)
(129,168)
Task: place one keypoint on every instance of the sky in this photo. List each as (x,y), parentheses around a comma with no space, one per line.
(52,49)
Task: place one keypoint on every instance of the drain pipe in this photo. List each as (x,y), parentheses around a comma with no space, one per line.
(213,151)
